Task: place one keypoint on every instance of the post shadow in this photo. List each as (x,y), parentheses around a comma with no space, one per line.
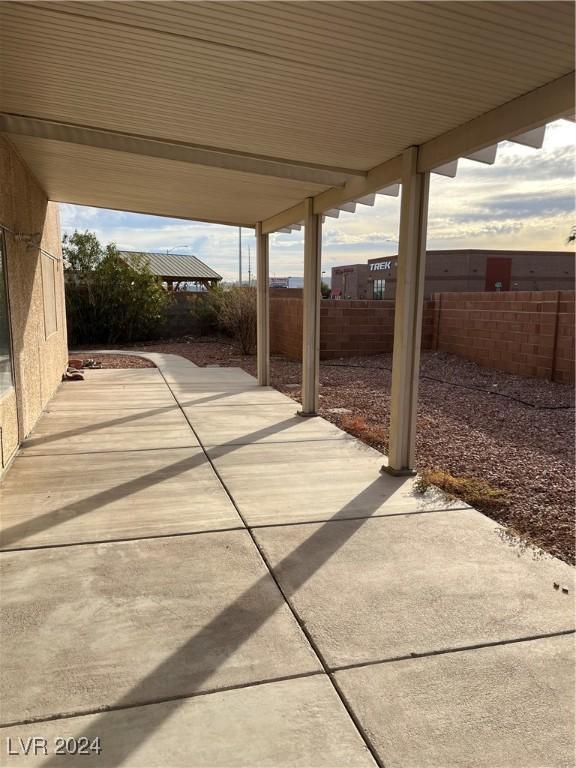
(36,441)
(11,535)
(308,557)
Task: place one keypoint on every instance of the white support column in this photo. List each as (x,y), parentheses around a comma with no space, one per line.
(263,307)
(408,315)
(311,320)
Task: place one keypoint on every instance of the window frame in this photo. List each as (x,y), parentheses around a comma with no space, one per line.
(378,293)
(4,287)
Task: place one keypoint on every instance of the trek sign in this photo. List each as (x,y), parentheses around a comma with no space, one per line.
(380,265)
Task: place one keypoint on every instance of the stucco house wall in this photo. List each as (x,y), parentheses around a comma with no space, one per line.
(36,309)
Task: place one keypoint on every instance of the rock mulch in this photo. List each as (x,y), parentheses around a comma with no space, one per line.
(119,361)
(516,434)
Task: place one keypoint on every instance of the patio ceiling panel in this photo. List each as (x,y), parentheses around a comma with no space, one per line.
(73,173)
(337,86)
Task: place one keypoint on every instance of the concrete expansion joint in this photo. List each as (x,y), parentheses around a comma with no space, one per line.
(383,516)
(325,669)
(124,540)
(454,649)
(241,527)
(21,455)
(153,702)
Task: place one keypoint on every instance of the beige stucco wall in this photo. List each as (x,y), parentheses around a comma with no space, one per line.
(38,361)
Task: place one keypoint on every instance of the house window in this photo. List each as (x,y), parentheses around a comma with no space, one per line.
(5,347)
(49,266)
(378,290)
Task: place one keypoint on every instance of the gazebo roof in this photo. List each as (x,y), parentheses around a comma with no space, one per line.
(175,265)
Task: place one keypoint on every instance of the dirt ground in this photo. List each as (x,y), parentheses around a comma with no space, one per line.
(516,434)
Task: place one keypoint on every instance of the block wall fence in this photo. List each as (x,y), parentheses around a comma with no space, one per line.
(529,333)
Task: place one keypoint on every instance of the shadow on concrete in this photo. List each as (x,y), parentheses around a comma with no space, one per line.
(35,525)
(33,442)
(215,636)
(308,556)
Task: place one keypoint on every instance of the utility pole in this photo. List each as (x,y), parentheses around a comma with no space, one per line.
(249,269)
(239,255)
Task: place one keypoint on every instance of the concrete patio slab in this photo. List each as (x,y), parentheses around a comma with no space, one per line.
(272,483)
(510,706)
(48,500)
(259,424)
(121,624)
(162,610)
(217,396)
(298,723)
(96,430)
(75,395)
(208,375)
(370,590)
(131,376)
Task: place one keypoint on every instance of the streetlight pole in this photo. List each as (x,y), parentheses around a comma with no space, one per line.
(239,255)
(168,251)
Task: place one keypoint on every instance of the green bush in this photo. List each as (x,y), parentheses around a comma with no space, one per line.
(207,308)
(108,300)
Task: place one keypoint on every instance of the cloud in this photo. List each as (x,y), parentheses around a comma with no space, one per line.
(336,237)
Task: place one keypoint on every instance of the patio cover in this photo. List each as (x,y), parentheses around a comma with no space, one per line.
(234,112)
(270,114)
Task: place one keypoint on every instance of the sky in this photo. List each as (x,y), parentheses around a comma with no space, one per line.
(524,201)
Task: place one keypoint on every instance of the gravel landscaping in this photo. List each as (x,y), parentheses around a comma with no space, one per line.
(118,361)
(515,434)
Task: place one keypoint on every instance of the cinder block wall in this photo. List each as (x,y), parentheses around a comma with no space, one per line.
(360,327)
(347,328)
(37,319)
(530,333)
(565,338)
(286,327)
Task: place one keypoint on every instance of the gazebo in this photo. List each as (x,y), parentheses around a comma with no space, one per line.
(175,268)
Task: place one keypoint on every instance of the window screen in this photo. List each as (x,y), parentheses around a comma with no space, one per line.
(49,267)
(5,349)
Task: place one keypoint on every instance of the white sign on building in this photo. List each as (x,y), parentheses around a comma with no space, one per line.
(380,265)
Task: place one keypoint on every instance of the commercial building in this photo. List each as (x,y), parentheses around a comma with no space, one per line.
(461,270)
(286,282)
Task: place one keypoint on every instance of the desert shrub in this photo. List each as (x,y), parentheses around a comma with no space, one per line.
(473,490)
(373,434)
(107,299)
(206,310)
(237,311)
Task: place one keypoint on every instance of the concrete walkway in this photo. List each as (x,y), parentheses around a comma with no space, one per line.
(199,577)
